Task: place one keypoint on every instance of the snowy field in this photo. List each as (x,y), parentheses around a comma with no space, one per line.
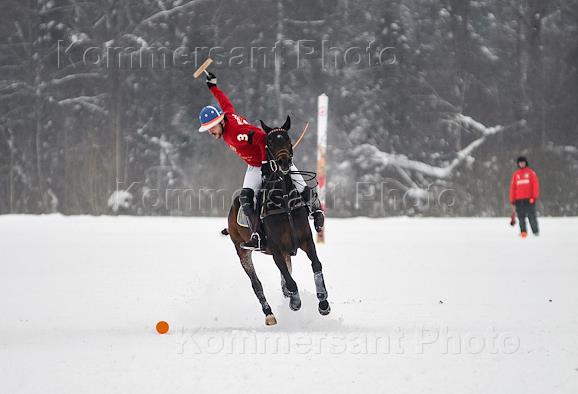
(418,305)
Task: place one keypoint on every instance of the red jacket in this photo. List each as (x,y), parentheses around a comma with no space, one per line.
(244,139)
(524,185)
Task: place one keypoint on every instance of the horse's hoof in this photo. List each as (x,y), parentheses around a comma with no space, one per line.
(270,320)
(295,306)
(324,308)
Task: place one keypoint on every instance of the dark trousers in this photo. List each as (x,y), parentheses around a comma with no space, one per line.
(526,210)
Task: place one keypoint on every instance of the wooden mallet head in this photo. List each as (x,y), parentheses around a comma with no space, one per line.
(203,68)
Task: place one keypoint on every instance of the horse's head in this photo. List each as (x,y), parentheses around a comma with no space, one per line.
(279,147)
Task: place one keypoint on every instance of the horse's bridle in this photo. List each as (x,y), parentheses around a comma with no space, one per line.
(282,153)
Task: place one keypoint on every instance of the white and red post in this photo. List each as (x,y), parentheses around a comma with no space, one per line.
(322,107)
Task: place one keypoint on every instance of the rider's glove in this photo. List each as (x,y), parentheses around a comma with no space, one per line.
(211,80)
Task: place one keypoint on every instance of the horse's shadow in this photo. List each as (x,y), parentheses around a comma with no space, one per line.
(306,319)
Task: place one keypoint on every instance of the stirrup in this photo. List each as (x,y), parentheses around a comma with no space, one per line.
(252,244)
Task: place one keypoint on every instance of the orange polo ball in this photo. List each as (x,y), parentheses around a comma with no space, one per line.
(162,327)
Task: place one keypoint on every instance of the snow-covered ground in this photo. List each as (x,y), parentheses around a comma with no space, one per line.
(418,305)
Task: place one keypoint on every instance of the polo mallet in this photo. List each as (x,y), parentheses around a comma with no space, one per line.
(301,136)
(203,68)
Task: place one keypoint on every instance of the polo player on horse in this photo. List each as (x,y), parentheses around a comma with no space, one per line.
(249,143)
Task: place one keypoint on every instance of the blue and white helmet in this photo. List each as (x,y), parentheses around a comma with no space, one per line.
(210,116)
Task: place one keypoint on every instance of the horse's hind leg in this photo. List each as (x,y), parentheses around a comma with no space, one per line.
(247,263)
(286,291)
(292,290)
(309,247)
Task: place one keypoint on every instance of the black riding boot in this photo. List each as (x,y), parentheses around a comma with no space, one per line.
(247,205)
(309,196)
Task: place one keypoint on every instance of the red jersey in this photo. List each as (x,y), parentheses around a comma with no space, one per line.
(524,185)
(243,138)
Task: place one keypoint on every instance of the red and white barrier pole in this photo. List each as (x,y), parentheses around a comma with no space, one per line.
(322,107)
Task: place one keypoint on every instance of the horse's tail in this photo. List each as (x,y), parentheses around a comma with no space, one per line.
(225,232)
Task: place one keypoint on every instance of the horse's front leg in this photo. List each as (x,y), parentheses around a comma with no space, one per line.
(247,263)
(284,289)
(308,247)
(292,290)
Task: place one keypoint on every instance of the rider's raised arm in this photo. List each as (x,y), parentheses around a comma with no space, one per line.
(222,98)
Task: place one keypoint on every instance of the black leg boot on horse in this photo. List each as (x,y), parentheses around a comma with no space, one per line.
(310,198)
(257,241)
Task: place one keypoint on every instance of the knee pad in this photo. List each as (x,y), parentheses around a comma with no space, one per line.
(246,198)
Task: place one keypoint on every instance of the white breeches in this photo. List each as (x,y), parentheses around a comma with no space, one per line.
(253,179)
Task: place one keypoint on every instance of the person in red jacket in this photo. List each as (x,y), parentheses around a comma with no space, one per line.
(524,192)
(248,142)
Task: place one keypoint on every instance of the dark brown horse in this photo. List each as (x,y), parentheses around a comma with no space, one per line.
(286,225)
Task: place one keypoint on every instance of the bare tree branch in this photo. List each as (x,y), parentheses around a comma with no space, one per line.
(318,22)
(88,102)
(57,82)
(170,12)
(369,156)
